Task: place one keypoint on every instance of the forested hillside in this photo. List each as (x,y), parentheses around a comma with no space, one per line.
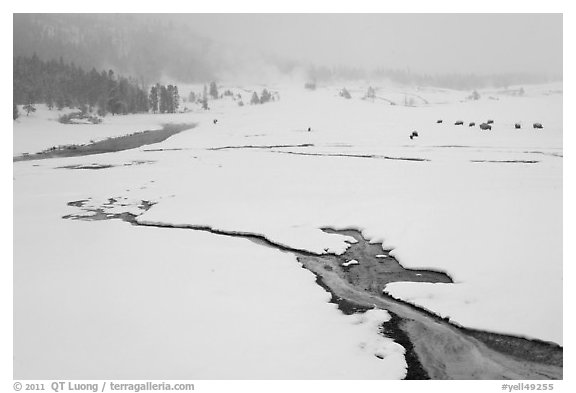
(144,46)
(60,85)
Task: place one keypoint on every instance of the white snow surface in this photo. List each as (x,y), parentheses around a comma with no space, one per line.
(105,299)
(470,211)
(494,226)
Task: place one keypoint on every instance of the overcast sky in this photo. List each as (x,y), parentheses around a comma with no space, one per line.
(433,43)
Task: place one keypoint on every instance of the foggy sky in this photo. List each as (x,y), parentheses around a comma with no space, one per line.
(424,43)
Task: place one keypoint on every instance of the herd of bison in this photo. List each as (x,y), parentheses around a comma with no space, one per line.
(487,125)
(483,126)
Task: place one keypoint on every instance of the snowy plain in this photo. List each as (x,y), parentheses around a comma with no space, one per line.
(484,207)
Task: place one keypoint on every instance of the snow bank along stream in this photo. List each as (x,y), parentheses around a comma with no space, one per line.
(109,145)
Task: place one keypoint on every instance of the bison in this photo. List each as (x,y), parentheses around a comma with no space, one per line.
(485,126)
(459,123)
(472,124)
(517,126)
(537,125)
(438,121)
(490,122)
(215,121)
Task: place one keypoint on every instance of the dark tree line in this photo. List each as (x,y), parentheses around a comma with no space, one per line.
(164,99)
(61,85)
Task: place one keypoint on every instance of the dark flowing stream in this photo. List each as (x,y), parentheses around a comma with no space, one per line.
(109,145)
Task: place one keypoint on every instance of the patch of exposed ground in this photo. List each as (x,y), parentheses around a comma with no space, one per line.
(260,146)
(351,155)
(507,161)
(109,145)
(158,150)
(92,166)
(100,213)
(95,166)
(551,154)
(271,148)
(491,148)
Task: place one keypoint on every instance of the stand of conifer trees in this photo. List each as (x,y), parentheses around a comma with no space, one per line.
(164,99)
(61,85)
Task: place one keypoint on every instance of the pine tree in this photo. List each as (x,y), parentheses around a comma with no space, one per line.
(154,98)
(29,107)
(50,102)
(163,99)
(175,99)
(205,98)
(254,100)
(214,90)
(370,93)
(170,99)
(142,101)
(265,96)
(345,93)
(116,106)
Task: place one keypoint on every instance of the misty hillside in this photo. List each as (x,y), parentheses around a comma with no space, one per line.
(143,46)
(156,47)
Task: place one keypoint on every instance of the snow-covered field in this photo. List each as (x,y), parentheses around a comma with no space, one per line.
(121,301)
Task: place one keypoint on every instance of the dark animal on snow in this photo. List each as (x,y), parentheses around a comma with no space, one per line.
(414,134)
(215,121)
(537,125)
(459,123)
(472,124)
(490,122)
(438,121)
(485,126)
(517,126)
(309,129)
